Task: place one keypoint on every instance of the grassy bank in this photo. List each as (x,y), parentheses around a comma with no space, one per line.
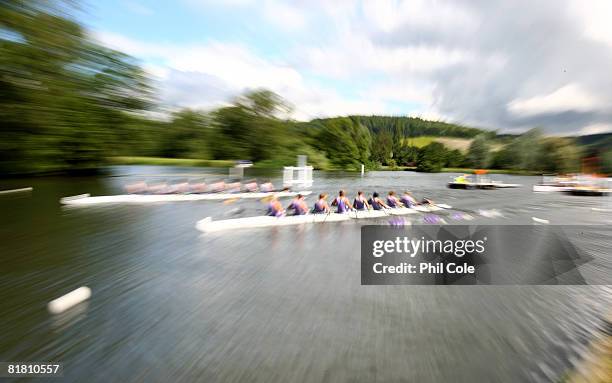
(466,170)
(160,161)
(494,171)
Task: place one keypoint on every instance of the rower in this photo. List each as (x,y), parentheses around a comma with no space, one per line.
(462,179)
(298,205)
(360,202)
(275,208)
(377,203)
(137,188)
(393,201)
(342,202)
(199,187)
(250,186)
(321,205)
(233,187)
(408,199)
(266,187)
(217,187)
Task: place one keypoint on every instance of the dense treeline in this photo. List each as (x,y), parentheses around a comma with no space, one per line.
(61,95)
(402,127)
(69,104)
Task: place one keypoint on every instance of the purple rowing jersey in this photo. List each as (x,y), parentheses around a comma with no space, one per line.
(359,204)
(392,201)
(342,206)
(319,207)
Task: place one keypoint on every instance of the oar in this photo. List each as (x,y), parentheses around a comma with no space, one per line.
(327,215)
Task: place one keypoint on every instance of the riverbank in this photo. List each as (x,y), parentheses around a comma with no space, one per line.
(162,161)
(466,170)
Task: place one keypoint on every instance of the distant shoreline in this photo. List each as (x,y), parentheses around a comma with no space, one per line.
(190,162)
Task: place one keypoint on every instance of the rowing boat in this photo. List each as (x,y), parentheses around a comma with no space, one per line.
(543,188)
(207,225)
(481,185)
(588,191)
(86,199)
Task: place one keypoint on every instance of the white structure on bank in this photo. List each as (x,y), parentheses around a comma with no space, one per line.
(298,176)
(237,172)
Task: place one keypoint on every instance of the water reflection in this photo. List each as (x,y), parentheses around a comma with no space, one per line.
(280,303)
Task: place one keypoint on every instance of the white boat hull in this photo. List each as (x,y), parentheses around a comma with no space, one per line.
(207,225)
(85,199)
(481,185)
(548,188)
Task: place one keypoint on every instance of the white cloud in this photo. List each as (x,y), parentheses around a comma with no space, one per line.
(571,97)
(506,66)
(284,15)
(388,15)
(595,18)
(137,8)
(209,75)
(596,128)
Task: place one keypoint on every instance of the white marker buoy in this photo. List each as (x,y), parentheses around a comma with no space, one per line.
(540,220)
(69,300)
(29,189)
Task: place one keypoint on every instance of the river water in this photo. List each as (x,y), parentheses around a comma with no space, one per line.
(277,304)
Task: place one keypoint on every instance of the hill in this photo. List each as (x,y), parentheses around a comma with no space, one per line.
(596,141)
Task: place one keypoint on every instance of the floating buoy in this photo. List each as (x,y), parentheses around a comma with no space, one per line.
(69,300)
(29,189)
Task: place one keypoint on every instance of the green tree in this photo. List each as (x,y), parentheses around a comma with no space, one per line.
(478,153)
(559,155)
(345,142)
(186,136)
(431,157)
(454,158)
(606,162)
(382,147)
(62,96)
(407,155)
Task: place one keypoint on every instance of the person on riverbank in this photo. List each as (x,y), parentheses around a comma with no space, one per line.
(393,201)
(321,206)
(360,202)
(377,203)
(298,205)
(343,203)
(275,208)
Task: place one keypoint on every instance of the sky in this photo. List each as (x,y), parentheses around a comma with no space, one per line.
(509,65)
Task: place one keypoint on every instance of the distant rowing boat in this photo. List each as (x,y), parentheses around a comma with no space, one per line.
(542,188)
(588,191)
(208,225)
(86,199)
(481,185)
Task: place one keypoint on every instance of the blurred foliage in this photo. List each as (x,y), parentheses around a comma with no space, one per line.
(61,96)
(67,104)
(431,158)
(478,153)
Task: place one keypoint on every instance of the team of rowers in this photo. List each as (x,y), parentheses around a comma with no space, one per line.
(343,204)
(195,188)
